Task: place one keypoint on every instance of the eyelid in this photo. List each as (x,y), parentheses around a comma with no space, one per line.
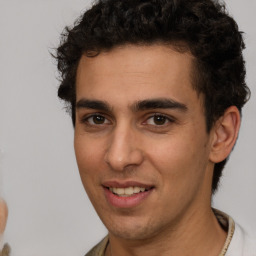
(152,115)
(84,119)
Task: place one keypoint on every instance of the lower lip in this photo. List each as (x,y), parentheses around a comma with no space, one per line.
(128,201)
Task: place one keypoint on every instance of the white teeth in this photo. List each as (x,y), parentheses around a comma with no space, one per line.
(136,190)
(127,191)
(120,191)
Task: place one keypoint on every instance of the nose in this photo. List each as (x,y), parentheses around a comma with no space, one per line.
(123,149)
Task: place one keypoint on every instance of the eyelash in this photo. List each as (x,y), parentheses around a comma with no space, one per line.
(167,119)
(85,120)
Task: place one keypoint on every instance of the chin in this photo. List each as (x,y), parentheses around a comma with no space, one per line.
(129,234)
(132,230)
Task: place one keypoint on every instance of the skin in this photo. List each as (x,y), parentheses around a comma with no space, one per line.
(176,157)
(3,215)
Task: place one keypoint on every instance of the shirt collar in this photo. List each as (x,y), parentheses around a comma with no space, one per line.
(228,224)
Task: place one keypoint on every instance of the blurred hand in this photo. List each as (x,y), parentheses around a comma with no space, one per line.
(3,215)
(3,218)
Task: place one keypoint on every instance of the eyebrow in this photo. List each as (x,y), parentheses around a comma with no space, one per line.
(159,103)
(93,104)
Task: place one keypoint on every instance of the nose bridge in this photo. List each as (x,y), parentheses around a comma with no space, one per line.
(123,148)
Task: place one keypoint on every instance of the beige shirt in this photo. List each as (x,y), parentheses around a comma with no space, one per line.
(225,221)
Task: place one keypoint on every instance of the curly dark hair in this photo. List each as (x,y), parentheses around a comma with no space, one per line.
(201,27)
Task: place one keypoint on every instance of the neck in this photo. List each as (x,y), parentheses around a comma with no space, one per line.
(199,234)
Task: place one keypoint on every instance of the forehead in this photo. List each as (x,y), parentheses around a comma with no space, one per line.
(136,72)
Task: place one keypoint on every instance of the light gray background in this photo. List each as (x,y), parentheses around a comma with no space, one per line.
(50,214)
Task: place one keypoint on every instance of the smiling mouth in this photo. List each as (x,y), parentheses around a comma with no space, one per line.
(128,191)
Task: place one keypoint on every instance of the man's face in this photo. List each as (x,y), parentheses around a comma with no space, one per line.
(140,140)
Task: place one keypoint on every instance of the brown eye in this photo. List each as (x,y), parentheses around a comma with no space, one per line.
(98,119)
(160,120)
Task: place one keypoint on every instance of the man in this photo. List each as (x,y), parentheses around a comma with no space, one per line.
(156,90)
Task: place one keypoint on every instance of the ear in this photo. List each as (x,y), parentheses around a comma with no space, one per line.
(225,132)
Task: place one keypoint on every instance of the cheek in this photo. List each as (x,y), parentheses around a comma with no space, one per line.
(90,168)
(87,154)
(181,161)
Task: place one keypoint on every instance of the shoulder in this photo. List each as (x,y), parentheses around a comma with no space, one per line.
(242,243)
(239,242)
(98,249)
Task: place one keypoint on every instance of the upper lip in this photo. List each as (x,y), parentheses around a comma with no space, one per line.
(125,184)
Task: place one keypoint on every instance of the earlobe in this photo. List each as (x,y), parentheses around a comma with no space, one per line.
(225,132)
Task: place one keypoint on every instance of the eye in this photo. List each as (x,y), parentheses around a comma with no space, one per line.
(158,120)
(96,119)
